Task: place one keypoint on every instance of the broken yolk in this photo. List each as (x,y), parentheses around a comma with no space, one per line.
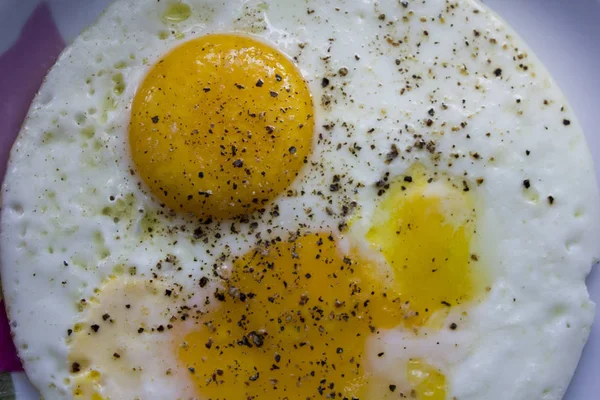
(424,229)
(85,386)
(291,318)
(427,382)
(294,316)
(220,126)
(292,323)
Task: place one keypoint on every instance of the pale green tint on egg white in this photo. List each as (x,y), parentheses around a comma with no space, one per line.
(176,12)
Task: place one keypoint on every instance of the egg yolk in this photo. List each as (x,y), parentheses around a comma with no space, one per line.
(424,230)
(292,322)
(427,382)
(220,126)
(421,381)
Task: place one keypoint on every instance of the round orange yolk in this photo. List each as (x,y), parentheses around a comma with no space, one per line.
(220,126)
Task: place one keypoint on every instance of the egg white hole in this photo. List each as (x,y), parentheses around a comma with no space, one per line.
(80,118)
(17,208)
(571,244)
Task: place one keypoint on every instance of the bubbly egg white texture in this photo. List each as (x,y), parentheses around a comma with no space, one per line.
(412,100)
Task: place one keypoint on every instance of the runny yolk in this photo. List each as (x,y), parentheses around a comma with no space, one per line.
(220,126)
(424,230)
(294,316)
(428,383)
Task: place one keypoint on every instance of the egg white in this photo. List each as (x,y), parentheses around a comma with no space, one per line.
(388,65)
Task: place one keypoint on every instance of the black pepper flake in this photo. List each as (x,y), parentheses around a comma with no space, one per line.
(155,119)
(259,83)
(550,200)
(238,163)
(392,388)
(453,326)
(160,328)
(192,370)
(325,82)
(237,85)
(380,354)
(408,179)
(168,292)
(105,317)
(278,77)
(95,327)
(334,187)
(566,122)
(498,72)
(526,184)
(292,150)
(140,330)
(273,94)
(392,155)
(254,377)
(219,296)
(75,367)
(206,90)
(203,281)
(198,232)
(116,355)
(257,338)
(404,4)
(339,350)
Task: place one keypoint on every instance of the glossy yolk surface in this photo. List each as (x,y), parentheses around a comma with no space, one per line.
(220,126)
(424,232)
(420,380)
(427,382)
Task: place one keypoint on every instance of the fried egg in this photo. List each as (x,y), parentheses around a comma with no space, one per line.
(277,199)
